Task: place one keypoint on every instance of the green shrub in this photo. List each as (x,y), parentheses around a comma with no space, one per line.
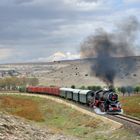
(73,86)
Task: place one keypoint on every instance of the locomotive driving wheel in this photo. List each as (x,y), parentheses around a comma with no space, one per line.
(102,107)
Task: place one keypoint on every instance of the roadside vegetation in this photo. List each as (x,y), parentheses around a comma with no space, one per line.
(60,118)
(123,90)
(12,83)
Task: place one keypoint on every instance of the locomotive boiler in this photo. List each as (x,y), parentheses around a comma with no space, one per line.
(107,101)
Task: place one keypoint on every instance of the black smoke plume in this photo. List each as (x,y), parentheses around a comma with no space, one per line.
(105,47)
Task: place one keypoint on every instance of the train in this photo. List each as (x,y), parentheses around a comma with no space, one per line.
(106,99)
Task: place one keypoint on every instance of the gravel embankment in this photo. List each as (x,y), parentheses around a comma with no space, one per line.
(15,128)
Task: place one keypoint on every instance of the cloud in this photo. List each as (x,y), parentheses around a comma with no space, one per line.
(23,1)
(38,28)
(85,5)
(5,53)
(59,56)
(40,18)
(131,1)
(90,1)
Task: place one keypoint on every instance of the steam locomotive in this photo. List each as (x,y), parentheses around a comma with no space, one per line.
(106,100)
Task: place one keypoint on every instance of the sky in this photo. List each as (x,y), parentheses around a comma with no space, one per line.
(48,30)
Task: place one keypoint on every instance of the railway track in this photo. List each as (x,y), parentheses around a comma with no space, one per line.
(128,122)
(129,119)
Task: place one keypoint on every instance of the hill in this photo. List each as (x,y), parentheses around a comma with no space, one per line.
(76,72)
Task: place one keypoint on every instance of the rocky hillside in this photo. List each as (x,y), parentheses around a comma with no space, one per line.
(77,72)
(15,128)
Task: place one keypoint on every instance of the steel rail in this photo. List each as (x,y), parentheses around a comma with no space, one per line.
(128,118)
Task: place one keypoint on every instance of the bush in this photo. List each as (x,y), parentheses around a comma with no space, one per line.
(123,90)
(137,89)
(94,88)
(73,86)
(127,89)
(11,83)
(89,87)
(82,87)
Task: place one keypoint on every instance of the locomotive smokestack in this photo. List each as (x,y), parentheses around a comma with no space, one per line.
(105,47)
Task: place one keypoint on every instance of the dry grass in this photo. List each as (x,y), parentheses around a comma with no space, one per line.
(26,108)
(131,105)
(92,123)
(60,118)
